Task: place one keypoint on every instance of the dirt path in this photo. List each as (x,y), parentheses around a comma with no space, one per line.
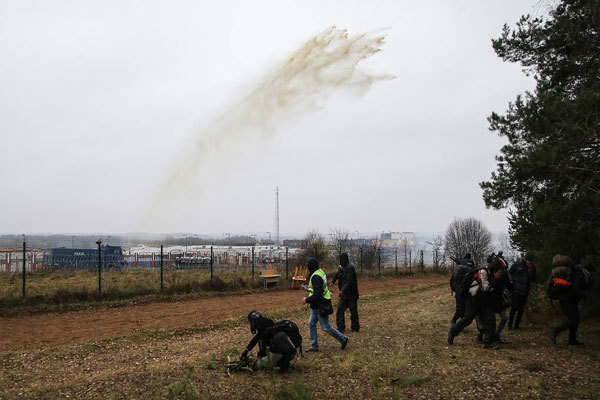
(56,329)
(400,352)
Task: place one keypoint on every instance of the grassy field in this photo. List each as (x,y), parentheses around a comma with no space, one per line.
(401,352)
(55,290)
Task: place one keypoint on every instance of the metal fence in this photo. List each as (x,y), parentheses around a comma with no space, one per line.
(23,266)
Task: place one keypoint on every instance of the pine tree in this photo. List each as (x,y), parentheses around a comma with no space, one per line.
(548,174)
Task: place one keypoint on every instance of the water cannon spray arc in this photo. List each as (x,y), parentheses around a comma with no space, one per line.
(321,66)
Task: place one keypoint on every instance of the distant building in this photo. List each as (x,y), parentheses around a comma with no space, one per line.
(293,243)
(397,239)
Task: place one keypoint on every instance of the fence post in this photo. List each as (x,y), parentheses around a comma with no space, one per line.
(396,258)
(252,262)
(361,260)
(422,262)
(211,263)
(410,262)
(379,260)
(286,263)
(161,267)
(99,243)
(24,260)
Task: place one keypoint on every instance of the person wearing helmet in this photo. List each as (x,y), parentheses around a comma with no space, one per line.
(258,326)
(275,348)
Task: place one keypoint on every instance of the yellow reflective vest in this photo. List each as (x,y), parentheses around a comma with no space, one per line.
(326,292)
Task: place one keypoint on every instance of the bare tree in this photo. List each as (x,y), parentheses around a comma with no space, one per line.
(437,247)
(339,240)
(314,245)
(468,235)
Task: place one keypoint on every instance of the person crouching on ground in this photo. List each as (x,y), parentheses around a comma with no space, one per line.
(319,299)
(275,349)
(348,296)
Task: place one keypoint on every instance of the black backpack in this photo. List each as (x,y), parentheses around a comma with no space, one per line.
(462,279)
(290,329)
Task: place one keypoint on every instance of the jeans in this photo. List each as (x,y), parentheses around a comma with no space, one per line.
(340,318)
(315,316)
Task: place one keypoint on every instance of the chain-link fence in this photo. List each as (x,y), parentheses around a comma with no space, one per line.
(84,268)
(103,270)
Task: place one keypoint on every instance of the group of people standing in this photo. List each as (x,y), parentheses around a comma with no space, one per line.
(482,292)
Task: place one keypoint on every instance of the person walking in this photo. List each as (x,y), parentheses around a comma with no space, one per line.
(348,296)
(574,281)
(319,299)
(521,274)
(460,287)
(499,271)
(478,304)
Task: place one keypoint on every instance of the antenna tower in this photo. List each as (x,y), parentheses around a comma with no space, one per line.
(277,215)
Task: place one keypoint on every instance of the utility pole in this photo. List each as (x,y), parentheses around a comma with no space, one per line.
(24,261)
(277,215)
(99,243)
(161,267)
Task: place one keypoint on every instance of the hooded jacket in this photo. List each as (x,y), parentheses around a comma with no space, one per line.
(521,277)
(348,280)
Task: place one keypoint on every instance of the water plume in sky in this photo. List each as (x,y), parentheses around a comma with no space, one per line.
(325,64)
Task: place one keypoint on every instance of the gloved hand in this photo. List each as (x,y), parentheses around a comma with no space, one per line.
(244,355)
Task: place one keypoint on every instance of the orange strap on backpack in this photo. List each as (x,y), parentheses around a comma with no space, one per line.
(561,282)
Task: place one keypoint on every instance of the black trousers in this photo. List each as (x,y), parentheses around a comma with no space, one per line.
(459,312)
(483,310)
(340,317)
(571,309)
(519,302)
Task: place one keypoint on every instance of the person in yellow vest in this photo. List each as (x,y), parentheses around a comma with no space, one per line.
(319,299)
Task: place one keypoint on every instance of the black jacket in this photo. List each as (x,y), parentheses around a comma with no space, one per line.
(349,283)
(521,277)
(338,278)
(497,294)
(263,337)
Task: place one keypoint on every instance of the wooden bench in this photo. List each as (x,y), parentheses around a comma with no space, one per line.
(270,276)
(299,278)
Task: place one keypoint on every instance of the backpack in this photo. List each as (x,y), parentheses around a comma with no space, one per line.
(561,281)
(480,282)
(461,279)
(291,329)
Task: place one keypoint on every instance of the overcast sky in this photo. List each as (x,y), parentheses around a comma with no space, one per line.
(100,99)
